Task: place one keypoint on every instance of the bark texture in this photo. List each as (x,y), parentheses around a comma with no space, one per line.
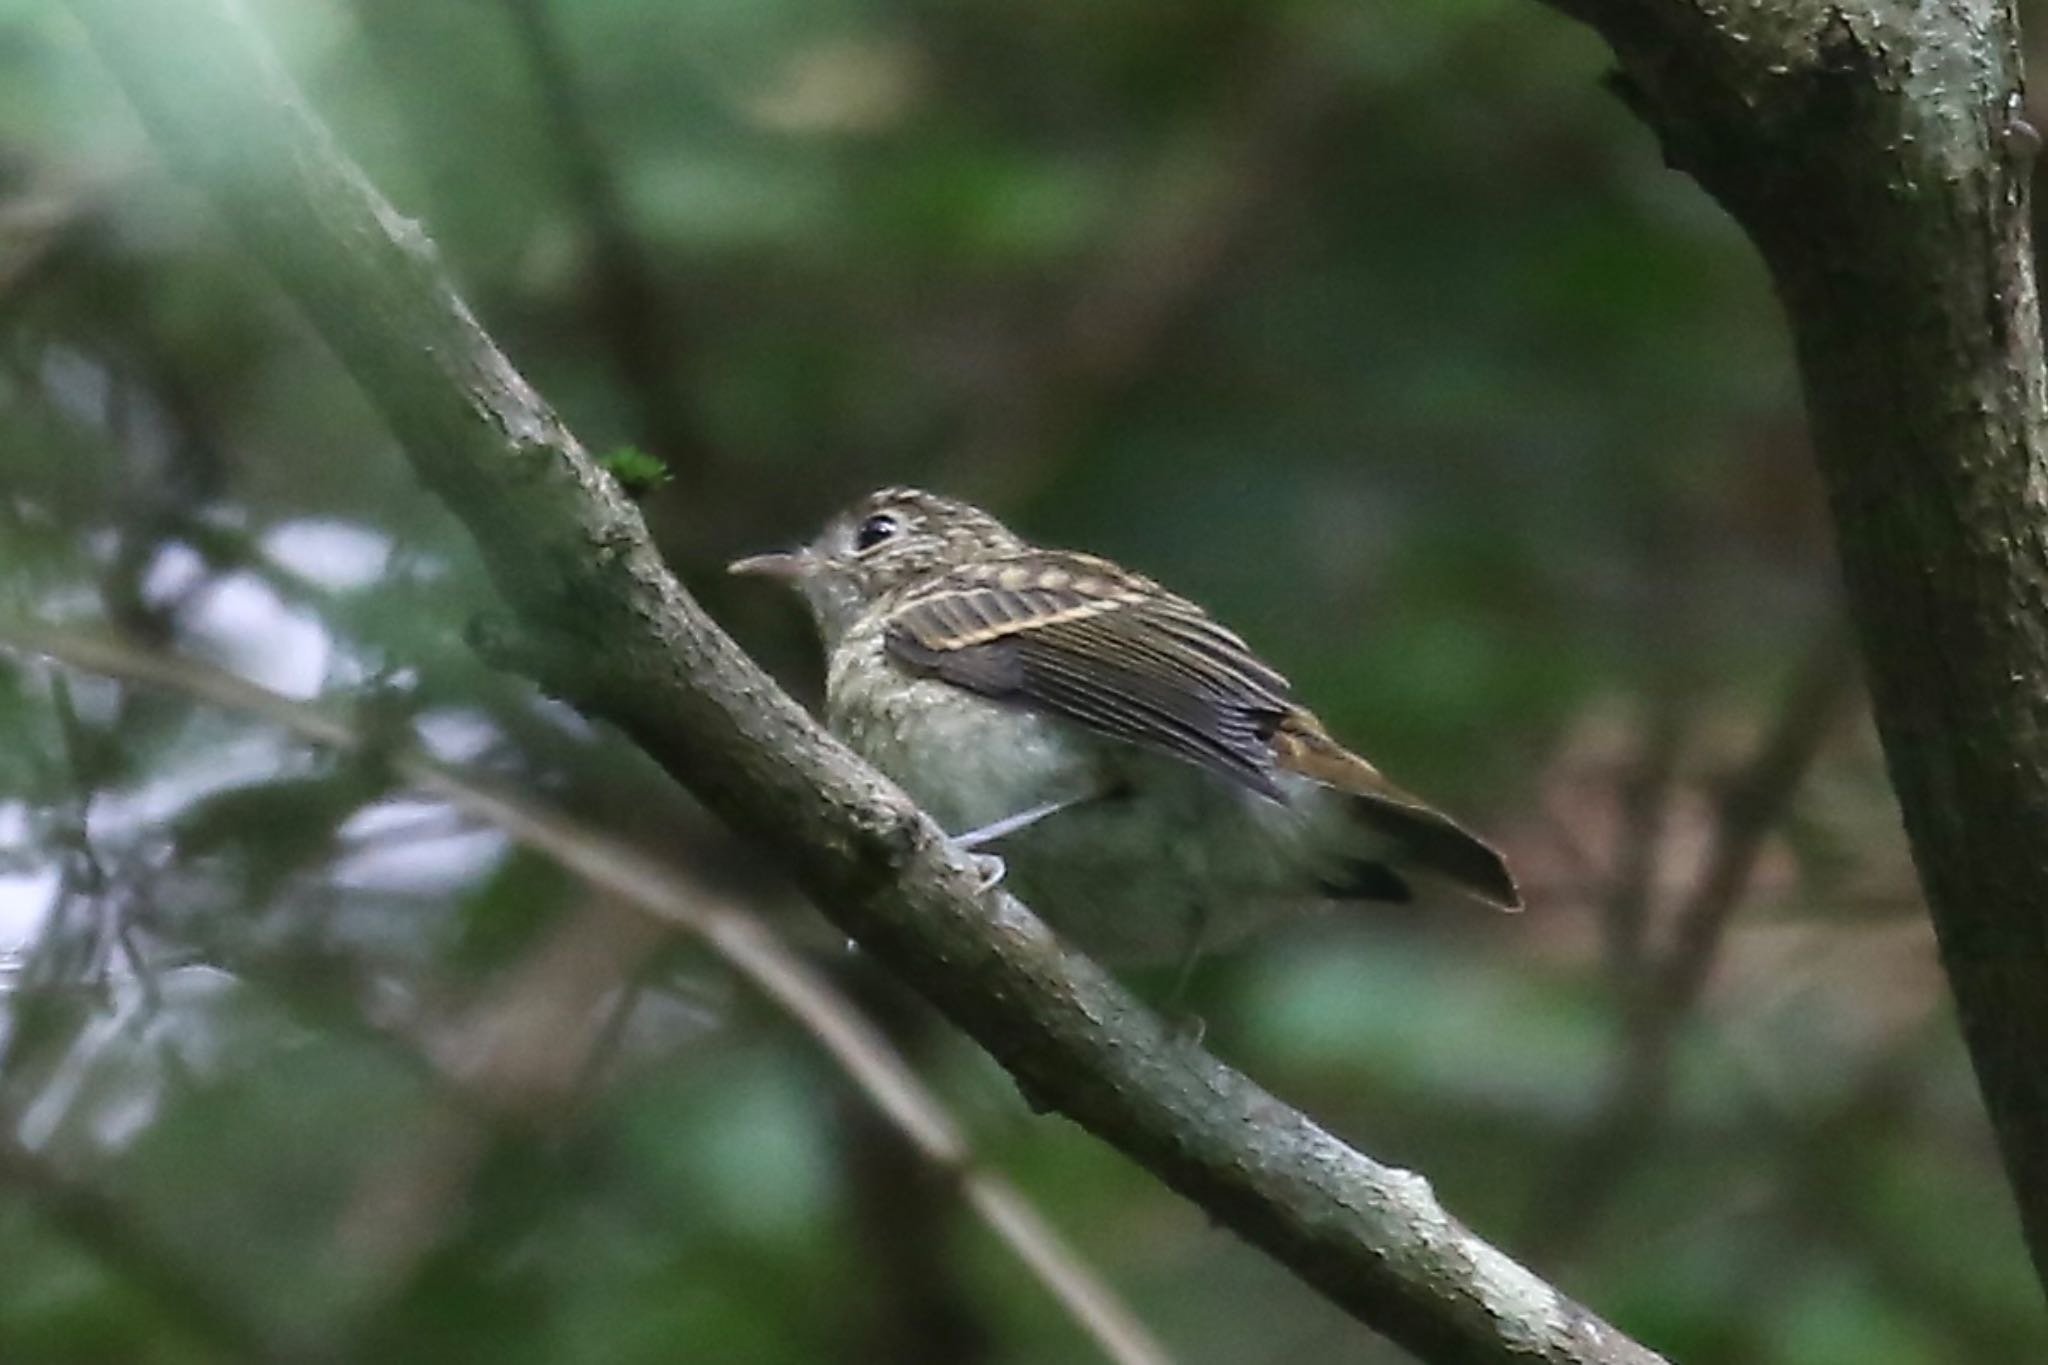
(599,621)
(1874,151)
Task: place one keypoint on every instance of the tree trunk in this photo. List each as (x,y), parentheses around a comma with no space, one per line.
(1874,152)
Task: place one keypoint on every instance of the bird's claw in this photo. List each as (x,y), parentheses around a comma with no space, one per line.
(991,868)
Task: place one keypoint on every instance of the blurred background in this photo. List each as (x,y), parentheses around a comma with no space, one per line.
(1378,327)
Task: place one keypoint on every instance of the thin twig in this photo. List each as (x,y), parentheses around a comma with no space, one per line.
(1751,807)
(514,1059)
(915,1306)
(627,313)
(667,895)
(1630,1113)
(1645,805)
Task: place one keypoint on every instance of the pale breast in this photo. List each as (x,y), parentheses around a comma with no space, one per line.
(966,760)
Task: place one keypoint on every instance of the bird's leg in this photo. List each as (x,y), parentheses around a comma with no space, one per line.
(991,864)
(1010,824)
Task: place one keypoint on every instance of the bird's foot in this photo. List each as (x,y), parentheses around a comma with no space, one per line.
(991,867)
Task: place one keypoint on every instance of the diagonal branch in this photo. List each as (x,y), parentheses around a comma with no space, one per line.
(601,622)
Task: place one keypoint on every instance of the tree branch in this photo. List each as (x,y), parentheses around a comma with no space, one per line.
(1664,990)
(1874,151)
(625,308)
(601,622)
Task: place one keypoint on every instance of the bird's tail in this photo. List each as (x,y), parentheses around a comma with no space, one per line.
(1422,838)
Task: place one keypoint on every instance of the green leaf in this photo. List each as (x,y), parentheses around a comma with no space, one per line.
(638,472)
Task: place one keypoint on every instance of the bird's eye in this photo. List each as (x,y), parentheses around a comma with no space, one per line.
(874,531)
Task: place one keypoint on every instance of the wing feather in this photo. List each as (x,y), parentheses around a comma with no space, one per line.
(1077,637)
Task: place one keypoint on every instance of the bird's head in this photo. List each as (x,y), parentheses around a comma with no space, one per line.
(869,552)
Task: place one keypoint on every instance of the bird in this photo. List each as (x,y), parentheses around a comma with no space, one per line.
(1148,784)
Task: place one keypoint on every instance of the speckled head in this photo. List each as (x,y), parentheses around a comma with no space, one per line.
(889,539)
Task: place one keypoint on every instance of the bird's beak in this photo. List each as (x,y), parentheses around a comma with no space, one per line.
(784,564)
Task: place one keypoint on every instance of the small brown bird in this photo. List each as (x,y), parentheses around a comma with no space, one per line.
(1153,789)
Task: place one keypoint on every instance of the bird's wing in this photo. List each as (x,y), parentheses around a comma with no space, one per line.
(1080,638)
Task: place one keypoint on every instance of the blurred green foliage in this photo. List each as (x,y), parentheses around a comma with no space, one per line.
(1380,328)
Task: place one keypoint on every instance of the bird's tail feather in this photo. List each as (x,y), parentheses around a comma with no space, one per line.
(1423,837)
(1428,840)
